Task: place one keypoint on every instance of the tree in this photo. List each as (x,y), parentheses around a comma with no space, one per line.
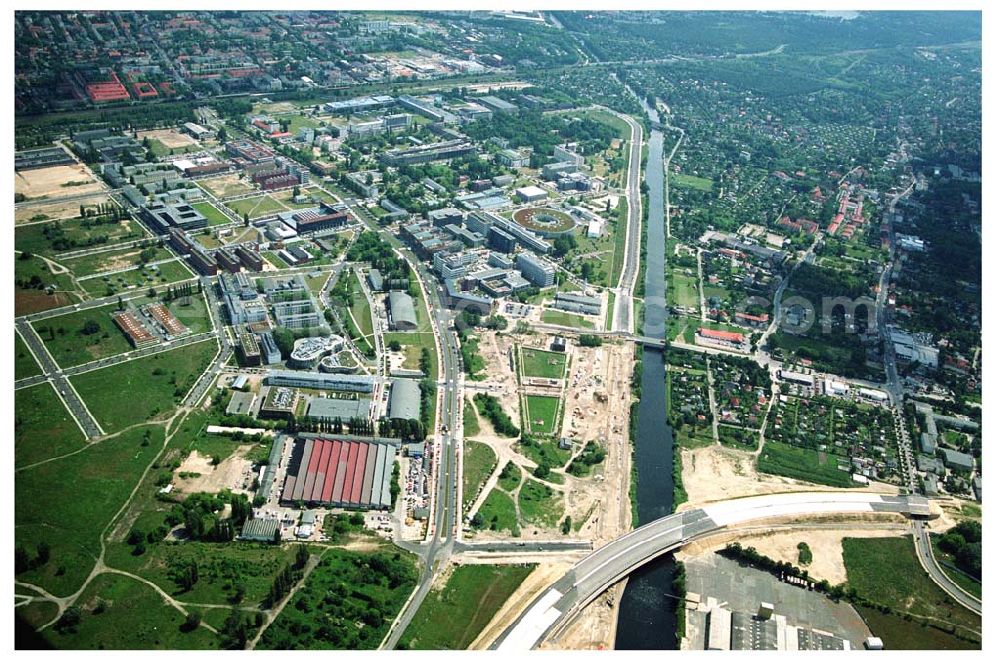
(90,327)
(542,470)
(191,622)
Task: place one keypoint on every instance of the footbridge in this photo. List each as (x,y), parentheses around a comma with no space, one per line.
(594,574)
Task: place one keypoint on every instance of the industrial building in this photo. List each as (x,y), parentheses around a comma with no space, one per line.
(539,272)
(442,150)
(578,303)
(323,381)
(261,530)
(278,403)
(170,324)
(340,473)
(402,313)
(40,158)
(179,215)
(404,399)
(248,350)
(270,354)
(339,408)
(133,328)
(241,403)
(317,219)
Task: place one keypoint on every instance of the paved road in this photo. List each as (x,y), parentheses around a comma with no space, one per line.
(609,564)
(446,518)
(65,390)
(622,320)
(925,553)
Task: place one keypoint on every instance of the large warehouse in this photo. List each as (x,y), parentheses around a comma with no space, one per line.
(340,473)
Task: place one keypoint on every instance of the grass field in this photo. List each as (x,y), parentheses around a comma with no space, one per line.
(692,182)
(33,238)
(163,379)
(25,365)
(886,571)
(805,464)
(683,289)
(66,503)
(541,413)
(539,504)
(542,363)
(509,477)
(135,617)
(256,207)
(192,312)
(214,215)
(64,338)
(499,513)
(225,186)
(148,276)
(42,426)
(561,318)
(112,260)
(478,461)
(453,616)
(470,421)
(950,568)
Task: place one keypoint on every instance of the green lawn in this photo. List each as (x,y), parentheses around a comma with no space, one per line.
(163,379)
(69,346)
(134,617)
(214,215)
(805,464)
(683,289)
(66,503)
(348,602)
(509,477)
(149,276)
(887,572)
(954,573)
(541,413)
(539,504)
(692,182)
(192,312)
(470,421)
(25,365)
(43,428)
(453,616)
(499,513)
(256,207)
(542,363)
(478,461)
(561,318)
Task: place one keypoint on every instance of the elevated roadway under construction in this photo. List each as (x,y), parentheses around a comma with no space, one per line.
(615,560)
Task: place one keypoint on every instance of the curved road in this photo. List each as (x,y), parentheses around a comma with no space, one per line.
(609,564)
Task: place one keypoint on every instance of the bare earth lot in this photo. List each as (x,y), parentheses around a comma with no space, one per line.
(59,181)
(169,138)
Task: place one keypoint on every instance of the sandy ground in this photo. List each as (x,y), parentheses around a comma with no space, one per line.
(225,186)
(50,182)
(54,210)
(822,534)
(717,473)
(542,577)
(594,628)
(169,138)
(233,473)
(592,410)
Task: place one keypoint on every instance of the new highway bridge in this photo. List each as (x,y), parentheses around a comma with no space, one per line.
(594,574)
